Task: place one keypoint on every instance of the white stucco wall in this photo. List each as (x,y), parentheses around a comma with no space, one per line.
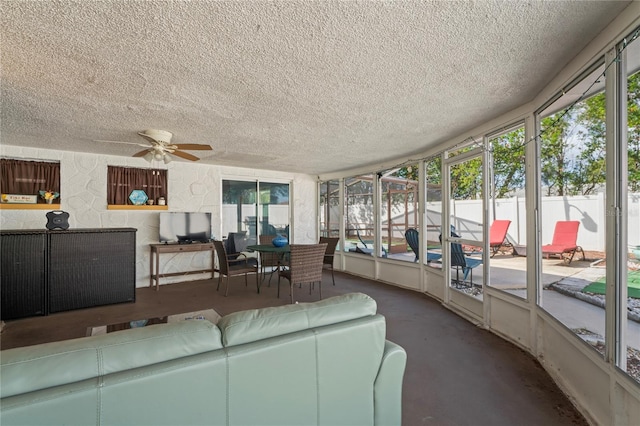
(193,187)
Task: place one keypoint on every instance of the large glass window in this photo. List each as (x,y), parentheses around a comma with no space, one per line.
(274,209)
(632,331)
(572,212)
(399,213)
(359,215)
(466,220)
(507,229)
(433,212)
(330,208)
(239,211)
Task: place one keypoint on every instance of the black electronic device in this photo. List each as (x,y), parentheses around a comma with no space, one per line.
(57,219)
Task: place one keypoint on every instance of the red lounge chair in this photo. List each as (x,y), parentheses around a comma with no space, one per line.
(497,235)
(565,236)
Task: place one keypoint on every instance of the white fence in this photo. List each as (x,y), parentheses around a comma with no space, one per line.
(278,216)
(589,210)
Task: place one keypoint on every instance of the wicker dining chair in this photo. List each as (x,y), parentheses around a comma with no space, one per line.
(305,266)
(232,268)
(268,260)
(332,243)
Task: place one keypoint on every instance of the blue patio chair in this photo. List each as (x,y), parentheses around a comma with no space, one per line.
(366,249)
(413,239)
(460,261)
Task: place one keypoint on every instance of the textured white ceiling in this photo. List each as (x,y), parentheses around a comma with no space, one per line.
(303,86)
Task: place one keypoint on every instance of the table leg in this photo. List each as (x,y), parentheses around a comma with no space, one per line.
(157,270)
(213,263)
(151,269)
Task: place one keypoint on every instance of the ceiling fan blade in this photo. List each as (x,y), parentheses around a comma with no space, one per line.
(123,142)
(193,147)
(141,153)
(185,155)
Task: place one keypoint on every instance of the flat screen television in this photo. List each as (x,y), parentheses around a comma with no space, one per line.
(185,227)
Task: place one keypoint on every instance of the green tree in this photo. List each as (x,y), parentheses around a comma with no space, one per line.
(554,150)
(434,179)
(633,132)
(586,171)
(466,180)
(433,176)
(508,153)
(408,172)
(434,170)
(591,167)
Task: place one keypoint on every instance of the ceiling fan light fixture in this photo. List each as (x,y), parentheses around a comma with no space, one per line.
(148,156)
(167,159)
(158,155)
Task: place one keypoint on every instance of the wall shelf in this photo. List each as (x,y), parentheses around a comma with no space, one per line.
(16,206)
(130,207)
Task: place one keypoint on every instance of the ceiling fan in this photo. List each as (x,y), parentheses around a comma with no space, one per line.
(160,147)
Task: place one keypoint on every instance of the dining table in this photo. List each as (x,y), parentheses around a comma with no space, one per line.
(281,251)
(269,248)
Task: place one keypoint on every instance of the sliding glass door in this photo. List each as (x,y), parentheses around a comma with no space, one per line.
(253,208)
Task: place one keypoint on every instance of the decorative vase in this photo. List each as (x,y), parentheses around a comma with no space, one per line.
(280,241)
(49,200)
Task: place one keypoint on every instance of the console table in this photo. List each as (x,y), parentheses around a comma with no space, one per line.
(157,249)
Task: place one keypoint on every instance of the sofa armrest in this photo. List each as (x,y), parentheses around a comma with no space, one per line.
(387,390)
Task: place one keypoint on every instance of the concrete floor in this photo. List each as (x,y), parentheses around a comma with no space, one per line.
(457,374)
(509,273)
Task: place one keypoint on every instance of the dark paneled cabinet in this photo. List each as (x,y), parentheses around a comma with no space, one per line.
(91,269)
(23,279)
(44,272)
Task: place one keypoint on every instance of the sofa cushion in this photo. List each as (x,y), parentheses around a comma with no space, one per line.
(319,376)
(52,364)
(252,325)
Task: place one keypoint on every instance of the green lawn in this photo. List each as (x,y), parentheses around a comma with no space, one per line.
(633,287)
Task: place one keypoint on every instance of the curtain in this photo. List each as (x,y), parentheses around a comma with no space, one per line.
(122,180)
(29,177)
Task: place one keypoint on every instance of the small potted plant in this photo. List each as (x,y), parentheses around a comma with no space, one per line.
(48,195)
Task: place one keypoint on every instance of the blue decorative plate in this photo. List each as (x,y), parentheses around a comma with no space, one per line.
(138,323)
(138,197)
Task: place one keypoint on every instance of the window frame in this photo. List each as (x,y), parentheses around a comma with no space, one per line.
(154,194)
(31,169)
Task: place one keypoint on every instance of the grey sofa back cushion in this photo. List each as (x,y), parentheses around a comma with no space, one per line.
(248,326)
(43,366)
(319,376)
